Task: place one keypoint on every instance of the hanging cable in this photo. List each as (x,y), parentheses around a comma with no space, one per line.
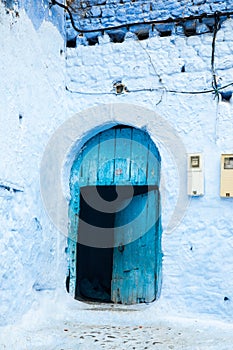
(216,29)
(151,90)
(179,20)
(132,24)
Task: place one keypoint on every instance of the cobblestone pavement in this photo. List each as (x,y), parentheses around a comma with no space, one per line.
(70,336)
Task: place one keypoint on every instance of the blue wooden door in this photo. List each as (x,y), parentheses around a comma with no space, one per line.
(137,250)
(127,159)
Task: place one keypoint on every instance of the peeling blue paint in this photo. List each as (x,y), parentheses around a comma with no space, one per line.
(108,160)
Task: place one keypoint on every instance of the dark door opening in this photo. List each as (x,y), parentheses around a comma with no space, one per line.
(114,247)
(95,264)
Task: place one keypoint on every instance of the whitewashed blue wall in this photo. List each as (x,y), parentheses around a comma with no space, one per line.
(32,103)
(197,263)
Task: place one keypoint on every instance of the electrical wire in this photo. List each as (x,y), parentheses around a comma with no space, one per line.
(216,15)
(151,90)
(216,29)
(132,24)
(90,93)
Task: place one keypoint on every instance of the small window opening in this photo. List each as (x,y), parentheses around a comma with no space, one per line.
(166,33)
(190,28)
(93,40)
(71,43)
(117,36)
(142,35)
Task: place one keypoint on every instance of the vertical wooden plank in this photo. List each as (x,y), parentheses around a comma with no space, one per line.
(106,157)
(118,259)
(91,156)
(116,289)
(139,156)
(74,207)
(72,254)
(148,243)
(141,249)
(137,212)
(153,167)
(83,168)
(159,254)
(86,165)
(117,284)
(122,156)
(118,256)
(127,263)
(72,240)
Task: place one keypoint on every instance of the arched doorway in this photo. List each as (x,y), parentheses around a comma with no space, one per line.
(114,243)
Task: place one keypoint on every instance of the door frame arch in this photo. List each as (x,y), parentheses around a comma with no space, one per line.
(75,196)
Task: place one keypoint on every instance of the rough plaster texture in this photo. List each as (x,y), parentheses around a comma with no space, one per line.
(197,262)
(99,14)
(31,96)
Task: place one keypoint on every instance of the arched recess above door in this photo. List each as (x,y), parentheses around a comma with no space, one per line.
(114,182)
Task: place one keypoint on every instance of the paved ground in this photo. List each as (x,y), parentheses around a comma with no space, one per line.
(65,324)
(106,337)
(74,336)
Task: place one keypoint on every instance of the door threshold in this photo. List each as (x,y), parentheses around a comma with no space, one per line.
(114,307)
